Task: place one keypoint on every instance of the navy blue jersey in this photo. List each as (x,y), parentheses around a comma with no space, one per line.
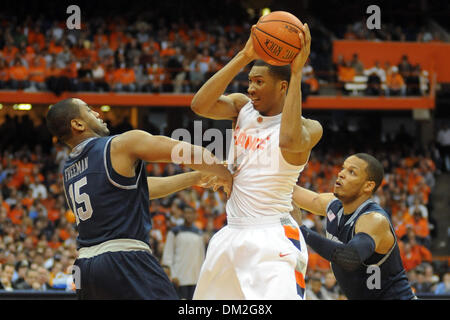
(361,283)
(107,205)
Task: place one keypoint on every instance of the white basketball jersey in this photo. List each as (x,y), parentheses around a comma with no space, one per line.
(263,180)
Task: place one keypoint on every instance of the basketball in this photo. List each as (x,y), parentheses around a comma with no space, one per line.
(275,37)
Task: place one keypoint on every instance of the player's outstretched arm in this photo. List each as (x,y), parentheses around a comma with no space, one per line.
(210,102)
(372,234)
(130,146)
(294,137)
(311,201)
(160,187)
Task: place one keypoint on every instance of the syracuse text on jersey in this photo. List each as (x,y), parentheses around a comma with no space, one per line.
(253,148)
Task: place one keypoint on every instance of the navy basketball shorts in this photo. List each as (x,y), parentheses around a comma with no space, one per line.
(120,275)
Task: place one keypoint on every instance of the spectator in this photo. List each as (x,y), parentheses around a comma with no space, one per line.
(420,251)
(53,79)
(31,281)
(310,79)
(315,290)
(140,75)
(105,52)
(22,268)
(376,76)
(412,81)
(197,73)
(346,74)
(418,205)
(410,258)
(125,79)
(420,226)
(184,253)
(99,78)
(424,82)
(4,74)
(357,65)
(443,140)
(18,75)
(422,285)
(404,67)
(58,278)
(395,85)
(37,75)
(429,274)
(6,277)
(39,191)
(331,286)
(443,287)
(176,70)
(85,81)
(43,278)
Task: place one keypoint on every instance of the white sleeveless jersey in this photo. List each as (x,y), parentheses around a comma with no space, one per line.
(263,180)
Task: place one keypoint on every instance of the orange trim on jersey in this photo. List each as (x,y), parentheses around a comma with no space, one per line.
(291,232)
(299,279)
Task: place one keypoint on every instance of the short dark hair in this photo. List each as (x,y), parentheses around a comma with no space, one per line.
(59,117)
(374,170)
(279,72)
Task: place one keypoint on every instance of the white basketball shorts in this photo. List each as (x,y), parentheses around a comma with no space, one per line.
(255,259)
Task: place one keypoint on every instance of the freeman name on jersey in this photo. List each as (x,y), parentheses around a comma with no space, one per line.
(76,169)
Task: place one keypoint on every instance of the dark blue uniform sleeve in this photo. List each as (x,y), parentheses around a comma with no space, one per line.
(349,256)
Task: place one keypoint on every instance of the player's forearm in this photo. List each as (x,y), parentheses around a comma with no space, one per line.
(293,137)
(211,91)
(348,256)
(160,187)
(203,160)
(310,201)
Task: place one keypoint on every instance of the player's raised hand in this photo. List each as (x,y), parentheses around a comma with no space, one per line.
(300,60)
(249,50)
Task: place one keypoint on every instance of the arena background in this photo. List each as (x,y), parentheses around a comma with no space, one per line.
(138,64)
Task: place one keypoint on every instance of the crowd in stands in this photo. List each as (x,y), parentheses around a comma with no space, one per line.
(388,32)
(120,55)
(115,56)
(38,231)
(404,79)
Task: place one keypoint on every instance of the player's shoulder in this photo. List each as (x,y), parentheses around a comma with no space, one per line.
(373,220)
(131,136)
(332,203)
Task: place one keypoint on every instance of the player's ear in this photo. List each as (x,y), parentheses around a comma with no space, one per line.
(284,85)
(77,124)
(369,186)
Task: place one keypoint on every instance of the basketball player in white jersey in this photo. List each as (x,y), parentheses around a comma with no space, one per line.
(260,254)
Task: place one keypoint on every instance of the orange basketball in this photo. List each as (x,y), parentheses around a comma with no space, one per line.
(275,37)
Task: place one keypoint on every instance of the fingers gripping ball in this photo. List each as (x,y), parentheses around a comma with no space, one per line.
(275,37)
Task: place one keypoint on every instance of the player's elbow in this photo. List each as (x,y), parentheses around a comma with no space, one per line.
(347,258)
(195,106)
(198,106)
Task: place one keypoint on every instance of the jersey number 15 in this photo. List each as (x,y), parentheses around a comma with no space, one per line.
(82,199)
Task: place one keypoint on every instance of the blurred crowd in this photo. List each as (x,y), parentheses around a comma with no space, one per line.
(404,79)
(38,231)
(121,54)
(389,32)
(115,55)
